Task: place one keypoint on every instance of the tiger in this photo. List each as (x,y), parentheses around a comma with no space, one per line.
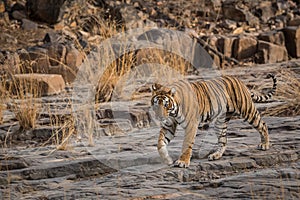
(189,104)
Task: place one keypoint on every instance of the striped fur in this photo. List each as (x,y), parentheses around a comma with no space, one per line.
(188,104)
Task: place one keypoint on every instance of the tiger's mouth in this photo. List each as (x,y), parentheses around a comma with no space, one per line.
(160,113)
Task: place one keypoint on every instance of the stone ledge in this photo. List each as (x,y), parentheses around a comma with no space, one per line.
(38,84)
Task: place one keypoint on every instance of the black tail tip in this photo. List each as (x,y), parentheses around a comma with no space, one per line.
(270,75)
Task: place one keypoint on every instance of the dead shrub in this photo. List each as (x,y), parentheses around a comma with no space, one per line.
(26,113)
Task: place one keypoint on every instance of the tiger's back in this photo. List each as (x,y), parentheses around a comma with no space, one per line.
(226,94)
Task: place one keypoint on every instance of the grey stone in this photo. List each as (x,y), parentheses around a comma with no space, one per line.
(13,163)
(18,14)
(29,25)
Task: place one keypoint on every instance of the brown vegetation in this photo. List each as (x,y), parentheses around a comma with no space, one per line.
(288,91)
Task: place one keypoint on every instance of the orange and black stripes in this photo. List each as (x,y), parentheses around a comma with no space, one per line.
(189,104)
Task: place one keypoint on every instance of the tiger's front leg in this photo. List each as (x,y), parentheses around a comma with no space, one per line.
(164,138)
(167,133)
(187,147)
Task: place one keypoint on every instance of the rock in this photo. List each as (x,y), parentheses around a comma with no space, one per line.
(29,25)
(18,15)
(292,40)
(271,53)
(225,45)
(52,58)
(11,163)
(244,47)
(138,118)
(275,37)
(10,63)
(44,84)
(68,74)
(132,18)
(53,37)
(35,60)
(242,164)
(45,133)
(115,127)
(49,11)
(239,13)
(177,43)
(56,53)
(4,19)
(294,22)
(265,11)
(74,58)
(18,10)
(229,24)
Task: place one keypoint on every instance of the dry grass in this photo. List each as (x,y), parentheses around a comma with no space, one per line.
(288,90)
(2,97)
(64,133)
(1,113)
(26,113)
(23,94)
(129,61)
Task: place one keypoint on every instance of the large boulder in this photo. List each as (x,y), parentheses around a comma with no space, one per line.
(49,11)
(271,53)
(244,47)
(275,37)
(292,40)
(38,84)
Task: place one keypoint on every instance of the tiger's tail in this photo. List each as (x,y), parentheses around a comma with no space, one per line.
(264,98)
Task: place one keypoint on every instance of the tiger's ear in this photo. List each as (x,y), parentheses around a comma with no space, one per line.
(155,87)
(172,91)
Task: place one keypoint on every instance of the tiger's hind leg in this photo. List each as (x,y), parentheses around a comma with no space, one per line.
(255,120)
(221,131)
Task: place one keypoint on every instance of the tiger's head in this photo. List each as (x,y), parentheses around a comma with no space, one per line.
(163,101)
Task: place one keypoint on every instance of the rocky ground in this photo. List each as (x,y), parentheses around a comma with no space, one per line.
(47,41)
(128,167)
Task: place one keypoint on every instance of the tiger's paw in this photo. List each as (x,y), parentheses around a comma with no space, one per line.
(182,164)
(215,156)
(263,146)
(169,161)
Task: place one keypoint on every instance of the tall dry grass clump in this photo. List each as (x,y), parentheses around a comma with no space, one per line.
(288,90)
(128,61)
(63,133)
(21,95)
(112,75)
(26,113)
